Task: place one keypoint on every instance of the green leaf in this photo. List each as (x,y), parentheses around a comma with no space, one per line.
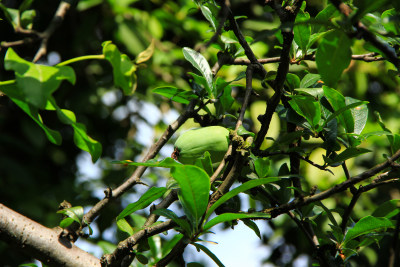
(123,68)
(253,226)
(36,82)
(333,56)
(66,222)
(394,139)
(146,54)
(209,253)
(75,213)
(16,95)
(367,225)
(209,16)
(360,114)
(205,163)
(81,138)
(390,20)
(172,216)
(367,6)
(348,153)
(338,102)
(302,30)
(307,107)
(145,200)
(167,246)
(388,209)
(226,217)
(165,163)
(293,81)
(194,191)
(242,188)
(175,94)
(142,258)
(124,226)
(27,18)
(201,64)
(262,166)
(317,93)
(309,80)
(226,98)
(25,5)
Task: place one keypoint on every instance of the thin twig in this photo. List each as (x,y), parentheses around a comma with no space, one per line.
(276,211)
(362,31)
(135,177)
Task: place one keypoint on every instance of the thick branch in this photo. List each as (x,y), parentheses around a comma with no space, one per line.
(42,243)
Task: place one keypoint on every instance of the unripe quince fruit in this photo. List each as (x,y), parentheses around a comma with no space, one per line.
(192,144)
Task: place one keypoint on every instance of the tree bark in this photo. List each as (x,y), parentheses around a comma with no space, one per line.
(40,242)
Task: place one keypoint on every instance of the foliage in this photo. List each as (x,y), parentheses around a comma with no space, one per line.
(309,91)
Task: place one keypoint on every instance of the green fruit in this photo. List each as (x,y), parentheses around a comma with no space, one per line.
(192,144)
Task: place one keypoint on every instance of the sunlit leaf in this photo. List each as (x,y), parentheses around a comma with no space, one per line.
(333,56)
(37,82)
(145,200)
(200,63)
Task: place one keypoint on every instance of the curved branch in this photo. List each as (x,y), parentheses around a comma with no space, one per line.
(45,244)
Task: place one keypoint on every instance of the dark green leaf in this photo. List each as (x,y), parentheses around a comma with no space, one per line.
(367,6)
(333,56)
(16,95)
(175,94)
(184,225)
(348,153)
(388,209)
(253,226)
(293,81)
(307,107)
(142,258)
(145,200)
(209,253)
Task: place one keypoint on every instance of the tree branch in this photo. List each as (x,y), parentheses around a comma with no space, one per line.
(362,30)
(135,177)
(276,211)
(42,243)
(125,247)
